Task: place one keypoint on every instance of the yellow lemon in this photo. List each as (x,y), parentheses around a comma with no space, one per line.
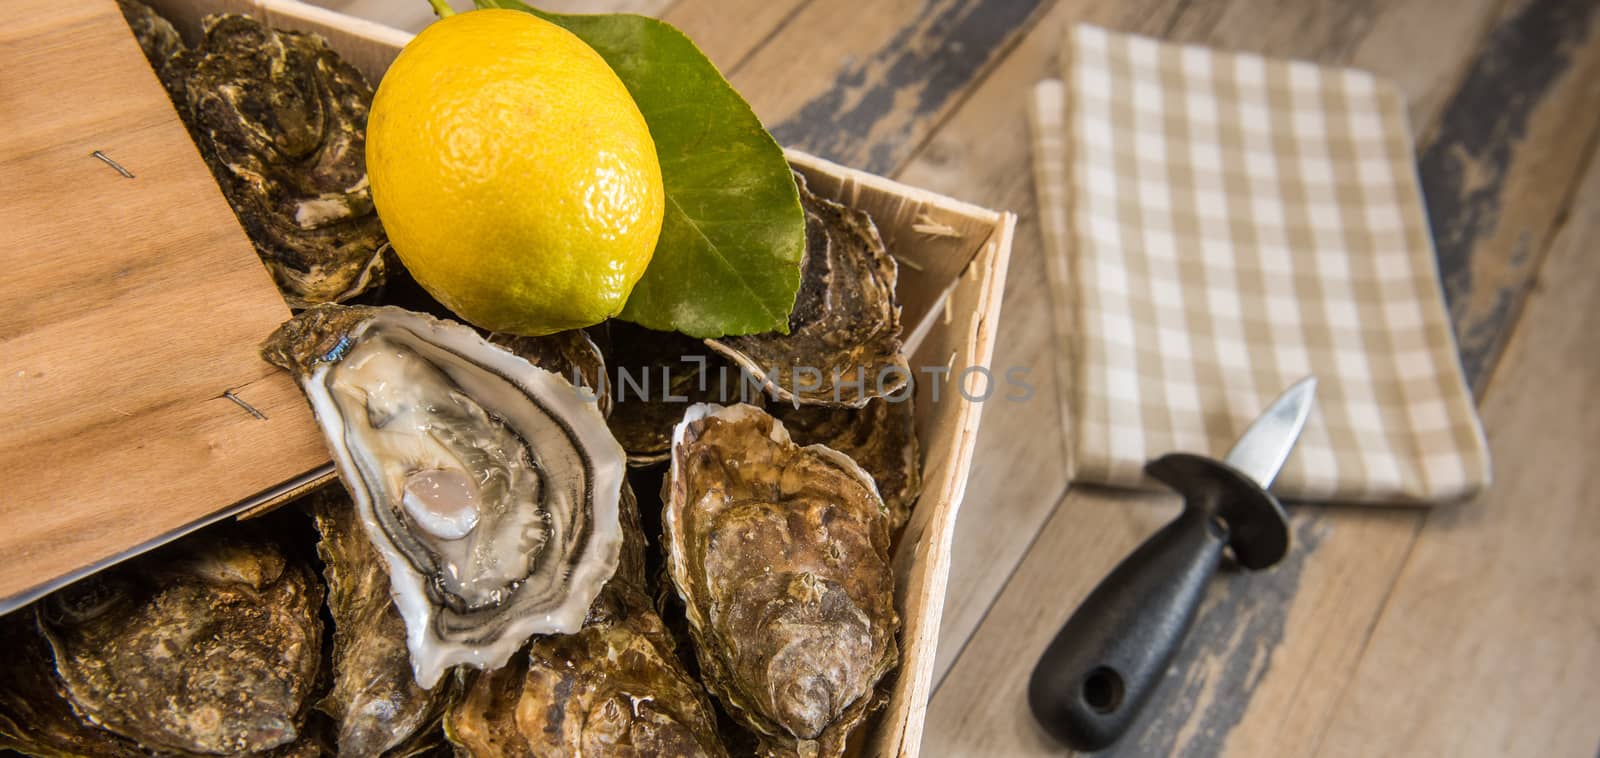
(514,173)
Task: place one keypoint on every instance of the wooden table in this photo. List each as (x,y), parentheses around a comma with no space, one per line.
(1473,630)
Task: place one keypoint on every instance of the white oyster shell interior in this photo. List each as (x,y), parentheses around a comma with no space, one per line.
(488,485)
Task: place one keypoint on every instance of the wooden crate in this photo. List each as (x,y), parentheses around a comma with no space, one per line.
(952,274)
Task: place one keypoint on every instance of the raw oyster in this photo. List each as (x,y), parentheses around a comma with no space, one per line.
(571,354)
(375,702)
(487,484)
(843,345)
(882,438)
(781,557)
(659,374)
(35,717)
(161,45)
(212,646)
(282,120)
(612,689)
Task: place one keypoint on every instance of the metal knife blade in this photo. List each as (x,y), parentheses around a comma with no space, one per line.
(1262,449)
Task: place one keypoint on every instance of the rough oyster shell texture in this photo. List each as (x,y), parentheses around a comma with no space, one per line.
(161,44)
(488,486)
(35,716)
(281,120)
(571,354)
(659,374)
(881,437)
(210,647)
(613,688)
(843,347)
(375,703)
(781,556)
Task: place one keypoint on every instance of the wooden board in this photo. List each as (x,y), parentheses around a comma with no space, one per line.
(129,307)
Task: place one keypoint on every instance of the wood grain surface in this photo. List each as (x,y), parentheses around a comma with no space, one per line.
(1460,632)
(117,432)
(1496,612)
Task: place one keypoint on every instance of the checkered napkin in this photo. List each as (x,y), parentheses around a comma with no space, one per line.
(1224,225)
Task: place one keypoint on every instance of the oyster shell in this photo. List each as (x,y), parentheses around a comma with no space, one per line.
(843,346)
(635,544)
(161,44)
(375,702)
(488,486)
(612,689)
(212,646)
(781,557)
(881,437)
(35,717)
(282,120)
(659,374)
(570,354)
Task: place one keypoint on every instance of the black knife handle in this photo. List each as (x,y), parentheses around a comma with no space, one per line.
(1096,675)
(1101,667)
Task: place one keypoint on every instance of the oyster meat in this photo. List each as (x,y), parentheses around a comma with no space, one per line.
(375,702)
(843,346)
(212,646)
(282,121)
(612,689)
(881,437)
(781,557)
(488,485)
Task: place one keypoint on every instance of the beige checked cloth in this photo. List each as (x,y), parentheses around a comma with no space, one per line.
(1225,224)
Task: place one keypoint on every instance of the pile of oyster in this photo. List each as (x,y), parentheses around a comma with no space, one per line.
(281,120)
(601,542)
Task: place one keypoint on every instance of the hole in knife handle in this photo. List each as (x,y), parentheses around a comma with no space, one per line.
(1102,690)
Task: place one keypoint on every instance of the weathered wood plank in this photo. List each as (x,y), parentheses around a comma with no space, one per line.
(727,38)
(982,154)
(1245,674)
(1323,601)
(1503,163)
(863,83)
(1490,643)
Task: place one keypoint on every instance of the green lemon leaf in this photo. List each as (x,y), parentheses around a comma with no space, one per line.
(728,261)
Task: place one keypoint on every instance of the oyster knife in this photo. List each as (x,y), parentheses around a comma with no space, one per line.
(1100,669)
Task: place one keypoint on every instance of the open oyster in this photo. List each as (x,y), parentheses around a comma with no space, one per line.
(612,689)
(375,702)
(882,438)
(843,345)
(781,556)
(281,120)
(210,647)
(570,354)
(488,486)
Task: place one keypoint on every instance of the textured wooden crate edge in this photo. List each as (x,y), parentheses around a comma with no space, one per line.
(959,314)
